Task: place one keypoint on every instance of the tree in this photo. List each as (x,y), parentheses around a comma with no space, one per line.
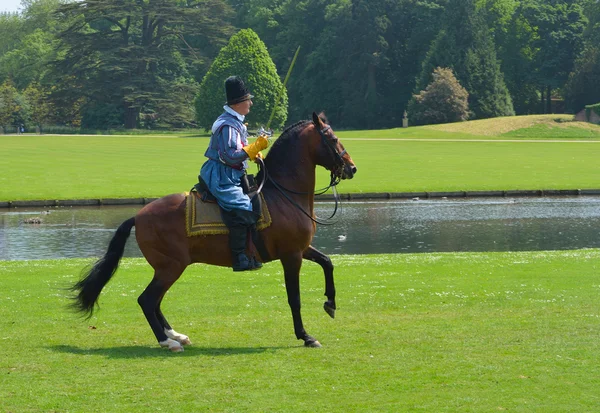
(517,52)
(9,104)
(294,24)
(592,31)
(131,58)
(415,24)
(358,58)
(246,56)
(11,31)
(583,85)
(27,42)
(514,35)
(465,46)
(29,61)
(559,28)
(40,108)
(444,100)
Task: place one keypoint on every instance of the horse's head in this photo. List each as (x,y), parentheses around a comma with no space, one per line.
(331,154)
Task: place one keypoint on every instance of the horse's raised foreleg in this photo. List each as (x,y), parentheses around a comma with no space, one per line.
(150,301)
(291,270)
(323,260)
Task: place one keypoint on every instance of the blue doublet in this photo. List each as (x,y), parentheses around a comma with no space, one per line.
(227,161)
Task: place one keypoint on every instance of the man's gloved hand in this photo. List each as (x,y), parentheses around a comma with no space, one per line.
(254,148)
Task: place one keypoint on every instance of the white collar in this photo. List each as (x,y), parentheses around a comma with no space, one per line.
(234,113)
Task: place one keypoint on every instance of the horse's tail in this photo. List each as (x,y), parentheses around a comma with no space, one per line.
(95,278)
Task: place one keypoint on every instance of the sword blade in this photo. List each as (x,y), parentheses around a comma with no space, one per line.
(287,76)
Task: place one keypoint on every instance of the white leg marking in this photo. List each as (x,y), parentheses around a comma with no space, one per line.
(182,338)
(173,345)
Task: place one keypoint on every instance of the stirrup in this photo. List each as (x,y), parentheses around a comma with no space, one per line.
(241,262)
(256,263)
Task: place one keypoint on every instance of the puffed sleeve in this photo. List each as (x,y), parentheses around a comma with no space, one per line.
(230,146)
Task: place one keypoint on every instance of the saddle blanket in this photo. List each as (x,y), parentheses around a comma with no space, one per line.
(204,218)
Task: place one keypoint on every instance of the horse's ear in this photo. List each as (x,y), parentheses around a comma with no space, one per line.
(320,119)
(317,121)
(323,118)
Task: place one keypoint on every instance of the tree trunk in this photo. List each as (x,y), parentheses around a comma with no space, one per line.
(549,100)
(542,101)
(131,117)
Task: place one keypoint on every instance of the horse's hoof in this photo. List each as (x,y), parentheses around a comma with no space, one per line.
(174,346)
(181,338)
(312,344)
(176,349)
(329,309)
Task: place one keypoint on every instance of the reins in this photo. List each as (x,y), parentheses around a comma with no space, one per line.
(315,219)
(335,179)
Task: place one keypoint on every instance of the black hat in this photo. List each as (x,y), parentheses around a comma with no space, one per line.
(236,91)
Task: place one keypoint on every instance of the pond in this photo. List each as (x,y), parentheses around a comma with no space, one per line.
(399,226)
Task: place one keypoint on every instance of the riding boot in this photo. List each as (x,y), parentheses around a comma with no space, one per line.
(253,236)
(237,244)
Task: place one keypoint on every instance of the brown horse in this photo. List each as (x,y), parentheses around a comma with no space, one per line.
(289,192)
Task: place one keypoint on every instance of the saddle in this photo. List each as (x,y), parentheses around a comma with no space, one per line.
(203,213)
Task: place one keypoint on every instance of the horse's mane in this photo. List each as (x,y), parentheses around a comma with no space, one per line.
(288,135)
(285,146)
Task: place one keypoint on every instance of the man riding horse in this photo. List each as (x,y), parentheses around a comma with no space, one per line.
(228,153)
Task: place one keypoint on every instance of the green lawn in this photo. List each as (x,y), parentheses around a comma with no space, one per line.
(396,160)
(466,332)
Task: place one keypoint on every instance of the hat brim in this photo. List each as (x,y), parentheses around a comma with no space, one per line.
(240,99)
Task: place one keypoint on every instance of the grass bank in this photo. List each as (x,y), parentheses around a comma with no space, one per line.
(531,127)
(396,160)
(429,332)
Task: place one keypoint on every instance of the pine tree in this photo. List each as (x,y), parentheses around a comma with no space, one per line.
(245,56)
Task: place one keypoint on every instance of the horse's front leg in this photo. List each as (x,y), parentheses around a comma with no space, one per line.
(291,270)
(323,260)
(172,334)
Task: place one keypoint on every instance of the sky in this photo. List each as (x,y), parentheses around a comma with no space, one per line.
(10,5)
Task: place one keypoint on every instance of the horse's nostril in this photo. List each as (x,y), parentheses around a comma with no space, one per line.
(354,169)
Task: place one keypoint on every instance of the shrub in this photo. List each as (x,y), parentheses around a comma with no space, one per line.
(592,108)
(444,100)
(246,56)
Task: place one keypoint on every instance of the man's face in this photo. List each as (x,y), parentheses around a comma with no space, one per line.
(243,108)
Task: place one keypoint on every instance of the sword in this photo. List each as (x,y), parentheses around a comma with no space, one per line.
(287,76)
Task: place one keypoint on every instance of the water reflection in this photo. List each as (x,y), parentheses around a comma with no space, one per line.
(493,224)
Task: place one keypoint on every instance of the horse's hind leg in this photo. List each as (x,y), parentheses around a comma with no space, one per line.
(150,301)
(323,260)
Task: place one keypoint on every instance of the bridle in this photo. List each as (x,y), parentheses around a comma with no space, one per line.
(336,176)
(338,169)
